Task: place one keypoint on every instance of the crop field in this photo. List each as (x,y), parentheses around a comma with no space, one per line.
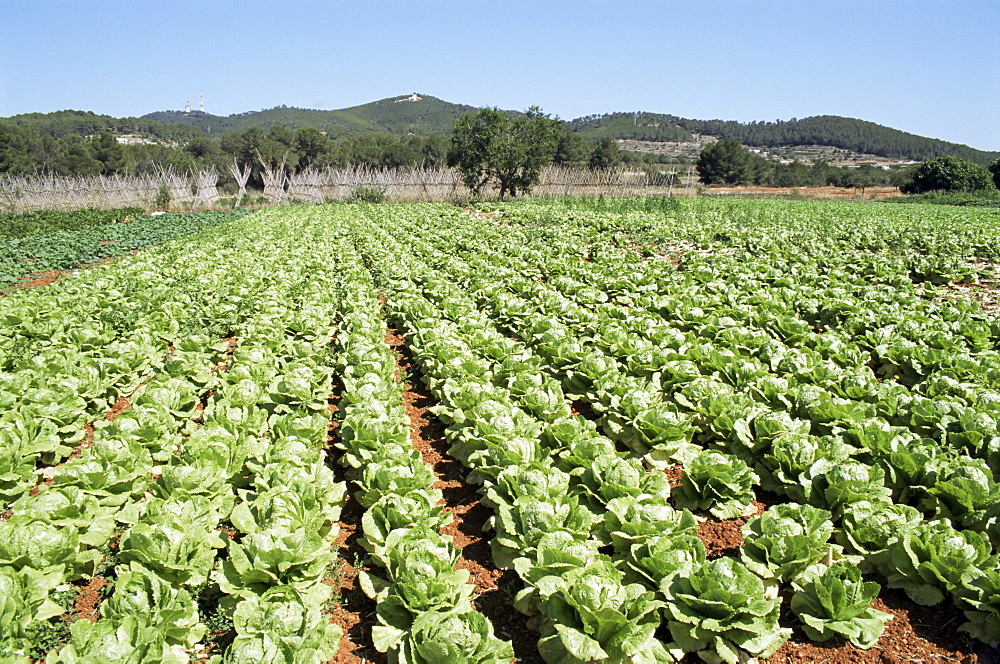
(571,431)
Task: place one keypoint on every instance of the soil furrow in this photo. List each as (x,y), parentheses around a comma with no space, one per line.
(494,588)
(350,608)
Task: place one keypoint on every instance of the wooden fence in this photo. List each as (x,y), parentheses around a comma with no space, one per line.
(199,190)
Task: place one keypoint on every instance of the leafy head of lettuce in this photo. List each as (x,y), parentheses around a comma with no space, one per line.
(718,483)
(868,528)
(449,636)
(785,540)
(283,625)
(835,600)
(590,615)
(933,558)
(724,612)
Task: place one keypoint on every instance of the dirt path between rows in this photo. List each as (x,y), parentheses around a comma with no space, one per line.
(494,588)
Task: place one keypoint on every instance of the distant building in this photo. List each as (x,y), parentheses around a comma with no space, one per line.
(413,97)
(132,139)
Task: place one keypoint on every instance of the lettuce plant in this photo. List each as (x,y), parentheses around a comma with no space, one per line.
(28,541)
(70,506)
(724,612)
(966,494)
(131,639)
(785,540)
(868,528)
(849,483)
(834,600)
(531,501)
(393,511)
(285,626)
(593,617)
(630,520)
(933,558)
(980,601)
(655,561)
(718,483)
(284,554)
(179,550)
(450,637)
(797,459)
(556,554)
(420,576)
(400,470)
(148,597)
(24,599)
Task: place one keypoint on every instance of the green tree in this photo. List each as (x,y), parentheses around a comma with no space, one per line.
(995,172)
(862,177)
(949,173)
(605,156)
(77,158)
(109,152)
(724,162)
(312,146)
(492,148)
(572,149)
(15,149)
(202,147)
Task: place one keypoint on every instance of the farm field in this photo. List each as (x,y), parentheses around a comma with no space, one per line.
(564,431)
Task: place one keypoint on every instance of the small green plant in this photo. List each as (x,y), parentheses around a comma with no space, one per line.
(163,198)
(367,194)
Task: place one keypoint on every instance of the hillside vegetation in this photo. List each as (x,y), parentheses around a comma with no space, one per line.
(827,130)
(430,116)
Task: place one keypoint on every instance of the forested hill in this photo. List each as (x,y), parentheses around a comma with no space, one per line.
(396,115)
(429,116)
(61,124)
(840,132)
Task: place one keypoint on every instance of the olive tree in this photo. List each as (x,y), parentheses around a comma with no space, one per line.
(508,151)
(948,173)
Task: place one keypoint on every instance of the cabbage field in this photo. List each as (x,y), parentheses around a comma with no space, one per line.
(523,432)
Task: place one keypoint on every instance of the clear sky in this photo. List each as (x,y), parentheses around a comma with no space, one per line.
(930,68)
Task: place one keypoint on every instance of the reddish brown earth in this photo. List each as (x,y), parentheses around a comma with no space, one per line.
(494,587)
(584,409)
(675,475)
(351,609)
(915,634)
(817,193)
(88,599)
(723,537)
(38,279)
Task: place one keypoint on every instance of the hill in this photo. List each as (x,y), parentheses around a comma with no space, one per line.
(425,116)
(61,124)
(858,136)
(429,116)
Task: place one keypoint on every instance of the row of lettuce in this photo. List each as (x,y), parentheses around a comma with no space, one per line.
(91,236)
(827,377)
(871,407)
(22,224)
(210,499)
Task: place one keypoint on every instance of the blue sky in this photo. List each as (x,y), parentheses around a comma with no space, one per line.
(930,68)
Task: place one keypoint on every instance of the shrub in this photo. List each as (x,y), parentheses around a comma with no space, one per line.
(367,194)
(949,174)
(163,198)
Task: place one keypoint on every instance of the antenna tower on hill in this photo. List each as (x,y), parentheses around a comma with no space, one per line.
(201,101)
